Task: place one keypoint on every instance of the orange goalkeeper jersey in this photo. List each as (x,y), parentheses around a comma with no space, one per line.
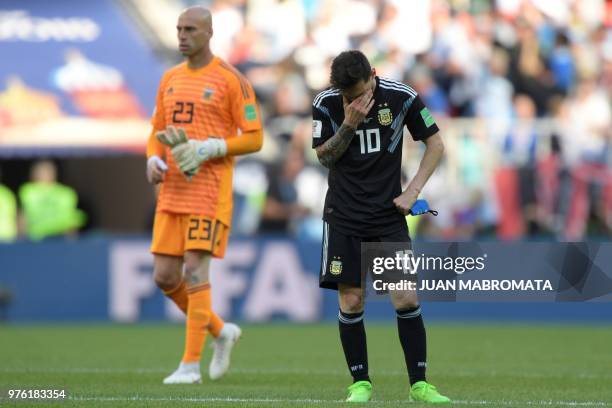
(213,101)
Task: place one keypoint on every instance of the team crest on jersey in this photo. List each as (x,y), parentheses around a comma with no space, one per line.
(208,93)
(335,268)
(385,117)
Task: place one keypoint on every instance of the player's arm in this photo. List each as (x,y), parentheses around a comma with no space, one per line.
(156,166)
(434,150)
(354,113)
(246,115)
(422,127)
(329,152)
(190,154)
(247,142)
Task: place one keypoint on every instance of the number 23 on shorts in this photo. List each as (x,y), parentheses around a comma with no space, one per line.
(203,233)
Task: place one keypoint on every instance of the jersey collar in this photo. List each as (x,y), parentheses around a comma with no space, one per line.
(377,87)
(211,64)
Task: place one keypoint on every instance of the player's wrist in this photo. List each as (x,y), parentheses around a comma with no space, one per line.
(210,148)
(218,147)
(349,125)
(412,190)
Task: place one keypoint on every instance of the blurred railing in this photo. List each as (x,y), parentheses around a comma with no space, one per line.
(502,178)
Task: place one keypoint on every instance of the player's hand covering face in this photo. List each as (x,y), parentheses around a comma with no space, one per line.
(356,111)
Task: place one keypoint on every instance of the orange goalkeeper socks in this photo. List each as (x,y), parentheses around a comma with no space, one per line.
(215,325)
(198,318)
(179,296)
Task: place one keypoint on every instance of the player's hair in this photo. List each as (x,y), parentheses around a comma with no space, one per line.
(348,68)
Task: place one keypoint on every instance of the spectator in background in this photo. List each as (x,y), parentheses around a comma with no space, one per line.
(49,208)
(588,149)
(562,64)
(433,96)
(466,59)
(8,214)
(282,211)
(494,100)
(528,72)
(520,151)
(590,117)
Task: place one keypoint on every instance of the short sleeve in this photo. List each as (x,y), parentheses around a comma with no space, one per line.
(322,128)
(245,111)
(419,120)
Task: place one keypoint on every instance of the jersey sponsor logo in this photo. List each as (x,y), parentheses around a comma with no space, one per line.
(427,118)
(367,120)
(170,91)
(385,117)
(335,268)
(208,93)
(250,113)
(317,127)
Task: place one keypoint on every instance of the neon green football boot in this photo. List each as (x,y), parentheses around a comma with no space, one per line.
(422,391)
(361,391)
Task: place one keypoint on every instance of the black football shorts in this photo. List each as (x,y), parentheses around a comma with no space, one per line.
(341,255)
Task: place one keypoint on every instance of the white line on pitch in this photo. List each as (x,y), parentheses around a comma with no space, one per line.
(301,371)
(320,401)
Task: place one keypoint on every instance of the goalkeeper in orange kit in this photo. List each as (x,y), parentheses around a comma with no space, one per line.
(205,114)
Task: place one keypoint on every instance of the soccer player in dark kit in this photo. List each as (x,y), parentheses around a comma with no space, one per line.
(357,134)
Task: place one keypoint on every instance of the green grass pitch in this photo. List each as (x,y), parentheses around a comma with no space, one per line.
(287,365)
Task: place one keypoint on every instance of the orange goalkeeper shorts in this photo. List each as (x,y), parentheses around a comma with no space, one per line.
(173,234)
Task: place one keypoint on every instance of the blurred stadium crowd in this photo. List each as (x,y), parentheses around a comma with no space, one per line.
(521,90)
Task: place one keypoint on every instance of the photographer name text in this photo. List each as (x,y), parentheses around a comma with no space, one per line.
(487,285)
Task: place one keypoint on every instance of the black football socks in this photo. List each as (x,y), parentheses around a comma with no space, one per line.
(412,336)
(353,338)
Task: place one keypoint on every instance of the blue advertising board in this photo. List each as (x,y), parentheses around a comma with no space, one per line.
(262,279)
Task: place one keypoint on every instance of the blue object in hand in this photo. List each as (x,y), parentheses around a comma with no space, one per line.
(421,206)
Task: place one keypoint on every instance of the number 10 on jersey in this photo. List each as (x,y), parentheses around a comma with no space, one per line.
(372,136)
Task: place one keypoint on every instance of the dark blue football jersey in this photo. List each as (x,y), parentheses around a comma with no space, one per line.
(367,177)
